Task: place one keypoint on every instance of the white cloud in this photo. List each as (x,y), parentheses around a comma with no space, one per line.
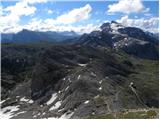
(146,24)
(50,11)
(127,6)
(21,8)
(40,25)
(73,16)
(61,23)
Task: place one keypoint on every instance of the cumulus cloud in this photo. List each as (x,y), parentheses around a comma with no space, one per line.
(146,24)
(75,15)
(21,8)
(61,23)
(40,25)
(127,6)
(72,16)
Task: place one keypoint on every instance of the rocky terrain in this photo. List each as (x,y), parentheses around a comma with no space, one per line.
(104,73)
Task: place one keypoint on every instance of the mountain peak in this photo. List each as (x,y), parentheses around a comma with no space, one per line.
(114,22)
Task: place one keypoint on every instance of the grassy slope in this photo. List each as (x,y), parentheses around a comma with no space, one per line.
(134,114)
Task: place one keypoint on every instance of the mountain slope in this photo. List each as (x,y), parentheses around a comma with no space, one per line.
(100,74)
(132,40)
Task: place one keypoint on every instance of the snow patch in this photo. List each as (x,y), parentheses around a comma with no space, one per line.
(24,99)
(7,112)
(67,115)
(66,88)
(96,97)
(69,79)
(54,96)
(106,77)
(93,113)
(86,102)
(79,77)
(125,44)
(39,114)
(100,82)
(115,27)
(82,65)
(2,101)
(30,101)
(93,74)
(21,112)
(61,110)
(100,88)
(56,106)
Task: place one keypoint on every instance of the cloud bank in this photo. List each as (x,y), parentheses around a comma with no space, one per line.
(127,6)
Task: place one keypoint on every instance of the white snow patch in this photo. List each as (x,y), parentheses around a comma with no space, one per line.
(7,112)
(21,112)
(114,45)
(106,77)
(30,101)
(69,79)
(86,102)
(67,115)
(24,99)
(79,77)
(126,44)
(39,114)
(64,79)
(100,88)
(82,65)
(96,97)
(34,116)
(93,113)
(56,106)
(66,88)
(100,82)
(2,101)
(93,74)
(60,110)
(115,27)
(54,96)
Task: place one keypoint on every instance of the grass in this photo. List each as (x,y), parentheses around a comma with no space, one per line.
(145,114)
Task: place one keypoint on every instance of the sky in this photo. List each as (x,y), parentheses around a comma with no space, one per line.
(75,15)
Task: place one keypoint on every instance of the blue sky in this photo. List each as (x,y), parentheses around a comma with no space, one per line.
(79,16)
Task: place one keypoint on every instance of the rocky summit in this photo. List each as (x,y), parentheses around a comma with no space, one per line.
(108,73)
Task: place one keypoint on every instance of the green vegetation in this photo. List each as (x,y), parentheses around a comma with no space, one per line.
(142,114)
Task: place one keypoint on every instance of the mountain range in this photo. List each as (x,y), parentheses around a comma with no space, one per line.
(108,73)
(27,36)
